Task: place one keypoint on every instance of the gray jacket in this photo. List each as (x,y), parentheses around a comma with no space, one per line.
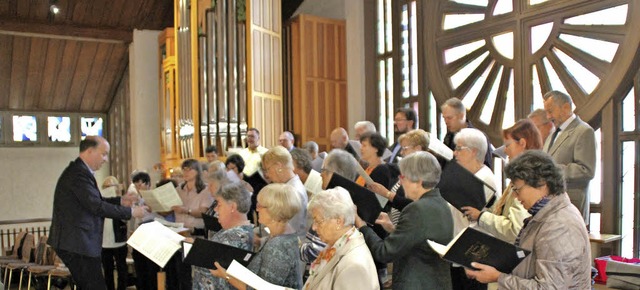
(415,264)
(560,250)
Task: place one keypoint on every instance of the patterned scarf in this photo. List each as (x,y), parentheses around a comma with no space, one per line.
(533,211)
(325,256)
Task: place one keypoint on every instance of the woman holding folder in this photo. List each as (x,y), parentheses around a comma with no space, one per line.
(232,202)
(507,217)
(277,261)
(415,264)
(555,233)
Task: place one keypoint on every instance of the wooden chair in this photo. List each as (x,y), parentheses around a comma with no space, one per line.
(40,259)
(25,252)
(14,250)
(53,268)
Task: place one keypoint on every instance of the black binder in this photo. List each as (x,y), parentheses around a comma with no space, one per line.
(203,253)
(211,223)
(368,206)
(460,187)
(472,245)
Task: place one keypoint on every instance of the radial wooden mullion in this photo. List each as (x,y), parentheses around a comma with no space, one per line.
(466,85)
(543,76)
(610,33)
(497,115)
(456,65)
(483,94)
(455,7)
(574,89)
(595,65)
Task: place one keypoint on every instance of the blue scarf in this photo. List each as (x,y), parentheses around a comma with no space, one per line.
(532,211)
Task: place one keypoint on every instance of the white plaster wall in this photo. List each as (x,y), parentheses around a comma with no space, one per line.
(28,179)
(354,15)
(144,114)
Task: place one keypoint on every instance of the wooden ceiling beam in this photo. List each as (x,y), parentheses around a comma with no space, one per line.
(68,32)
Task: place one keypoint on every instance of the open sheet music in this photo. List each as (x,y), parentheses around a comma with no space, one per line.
(437,147)
(156,242)
(109,191)
(161,199)
(245,275)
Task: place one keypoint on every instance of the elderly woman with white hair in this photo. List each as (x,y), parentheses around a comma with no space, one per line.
(346,257)
(415,264)
(470,150)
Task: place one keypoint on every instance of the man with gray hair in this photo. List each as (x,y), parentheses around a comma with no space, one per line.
(316,158)
(544,125)
(454,114)
(573,148)
(287,140)
(363,127)
(302,167)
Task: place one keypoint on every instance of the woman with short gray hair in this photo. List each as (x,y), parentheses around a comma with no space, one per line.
(555,233)
(346,257)
(415,264)
(232,202)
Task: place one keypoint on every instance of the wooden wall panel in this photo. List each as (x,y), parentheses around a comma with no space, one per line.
(6,48)
(264,69)
(51,67)
(19,72)
(81,76)
(318,71)
(37,55)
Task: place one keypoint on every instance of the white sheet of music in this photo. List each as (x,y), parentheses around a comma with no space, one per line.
(156,242)
(109,191)
(161,199)
(245,275)
(436,146)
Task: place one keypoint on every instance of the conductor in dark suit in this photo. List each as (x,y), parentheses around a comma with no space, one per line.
(79,211)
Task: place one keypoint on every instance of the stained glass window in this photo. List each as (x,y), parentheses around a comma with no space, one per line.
(91,126)
(25,128)
(59,129)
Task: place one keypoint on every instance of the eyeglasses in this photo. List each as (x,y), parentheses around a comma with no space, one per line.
(515,189)
(460,148)
(259,206)
(406,148)
(399,120)
(184,169)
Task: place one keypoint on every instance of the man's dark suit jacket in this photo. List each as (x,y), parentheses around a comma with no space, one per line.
(79,211)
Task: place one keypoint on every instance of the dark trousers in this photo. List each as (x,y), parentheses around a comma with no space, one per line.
(146,272)
(460,281)
(86,271)
(119,256)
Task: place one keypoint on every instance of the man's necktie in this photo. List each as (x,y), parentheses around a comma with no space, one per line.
(553,137)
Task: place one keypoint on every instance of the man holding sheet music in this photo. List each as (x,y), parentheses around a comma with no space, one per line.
(79,211)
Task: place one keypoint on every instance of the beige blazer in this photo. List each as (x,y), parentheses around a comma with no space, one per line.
(574,150)
(351,268)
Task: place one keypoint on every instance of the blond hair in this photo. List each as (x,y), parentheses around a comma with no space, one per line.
(281,200)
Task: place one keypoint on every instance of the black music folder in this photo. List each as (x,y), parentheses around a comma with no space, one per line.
(472,245)
(460,187)
(211,223)
(368,205)
(203,253)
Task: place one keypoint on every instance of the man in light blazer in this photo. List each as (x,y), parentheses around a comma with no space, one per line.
(78,215)
(573,148)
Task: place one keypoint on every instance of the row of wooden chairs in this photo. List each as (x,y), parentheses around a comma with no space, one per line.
(44,263)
